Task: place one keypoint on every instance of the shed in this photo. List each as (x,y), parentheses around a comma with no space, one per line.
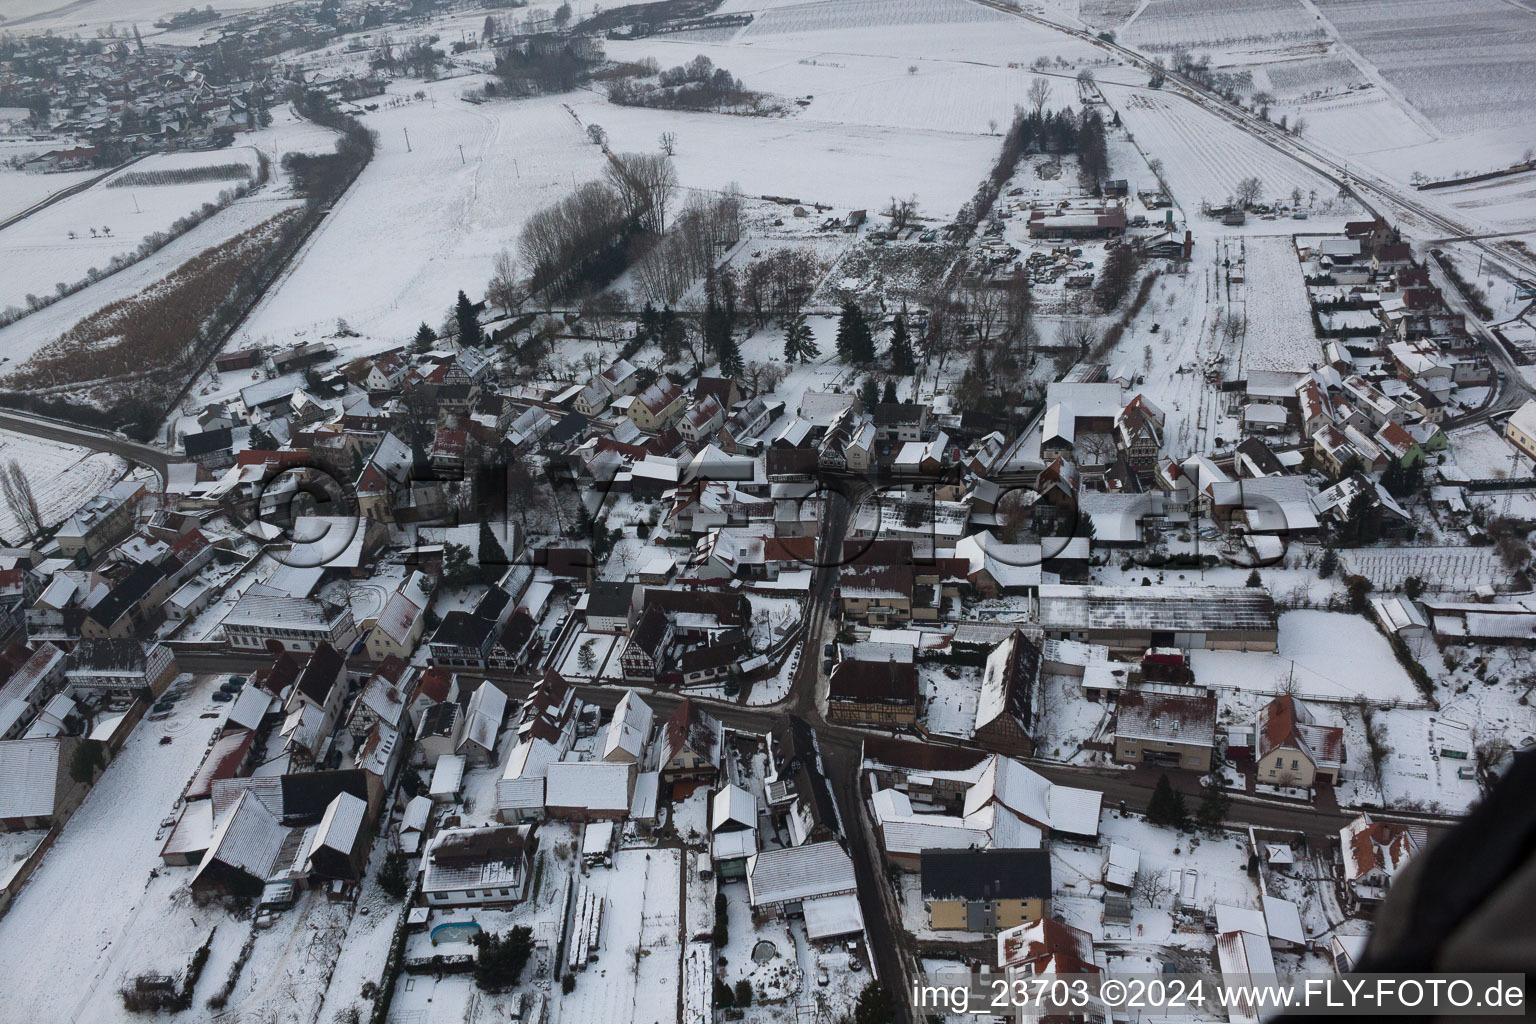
(447,777)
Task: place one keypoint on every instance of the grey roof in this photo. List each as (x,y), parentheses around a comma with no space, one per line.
(1065,606)
(29,777)
(799,873)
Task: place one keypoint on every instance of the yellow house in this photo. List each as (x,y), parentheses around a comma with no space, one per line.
(1521,428)
(1292,750)
(658,406)
(398,628)
(985,890)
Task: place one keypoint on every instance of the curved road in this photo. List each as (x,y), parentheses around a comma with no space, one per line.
(148,456)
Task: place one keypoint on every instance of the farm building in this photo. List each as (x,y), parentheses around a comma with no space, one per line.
(1136,618)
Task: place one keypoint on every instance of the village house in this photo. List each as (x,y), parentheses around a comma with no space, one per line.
(985,891)
(1171,730)
(1292,750)
(885,694)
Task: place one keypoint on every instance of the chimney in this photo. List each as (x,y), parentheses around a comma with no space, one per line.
(1189,244)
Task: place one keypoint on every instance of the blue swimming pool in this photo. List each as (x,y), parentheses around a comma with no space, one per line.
(455,931)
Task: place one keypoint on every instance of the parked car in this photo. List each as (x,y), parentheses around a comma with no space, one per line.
(223,697)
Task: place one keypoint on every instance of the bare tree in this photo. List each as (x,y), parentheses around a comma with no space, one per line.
(1152,888)
(597,135)
(17,490)
(668,143)
(504,289)
(1249,190)
(646,182)
(901,211)
(1039,95)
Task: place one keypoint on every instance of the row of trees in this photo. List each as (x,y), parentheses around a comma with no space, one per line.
(588,238)
(703,228)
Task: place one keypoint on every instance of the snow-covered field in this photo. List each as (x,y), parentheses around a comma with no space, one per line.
(1467,64)
(1278,333)
(1204,156)
(61,243)
(63,477)
(20,190)
(1200,24)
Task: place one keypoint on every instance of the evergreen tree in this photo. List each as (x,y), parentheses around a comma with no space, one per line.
(262,441)
(493,557)
(1167,804)
(1254,580)
(869,394)
(1213,806)
(888,395)
(500,958)
(730,356)
(425,338)
(875,1005)
(1330,563)
(799,341)
(468,322)
(743,992)
(672,333)
(392,875)
(715,324)
(854,342)
(902,360)
(650,322)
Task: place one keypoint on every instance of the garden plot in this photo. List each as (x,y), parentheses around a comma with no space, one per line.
(1326,655)
(1212,869)
(101,908)
(1278,332)
(60,244)
(639,963)
(1482,453)
(63,477)
(1443,569)
(1204,157)
(1466,64)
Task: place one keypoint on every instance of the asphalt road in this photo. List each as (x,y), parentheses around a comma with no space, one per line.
(157,459)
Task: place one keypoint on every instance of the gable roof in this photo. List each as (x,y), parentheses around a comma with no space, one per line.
(1287,722)
(799,873)
(29,777)
(692,728)
(986,874)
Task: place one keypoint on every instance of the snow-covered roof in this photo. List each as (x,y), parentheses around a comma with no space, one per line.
(447,775)
(1242,956)
(339,827)
(827,917)
(588,785)
(249,837)
(1239,919)
(732,804)
(630,728)
(250,707)
(1034,798)
(487,707)
(799,873)
(1121,864)
(1284,920)
(29,773)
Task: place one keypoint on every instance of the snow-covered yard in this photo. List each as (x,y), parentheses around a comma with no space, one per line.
(1330,655)
(63,477)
